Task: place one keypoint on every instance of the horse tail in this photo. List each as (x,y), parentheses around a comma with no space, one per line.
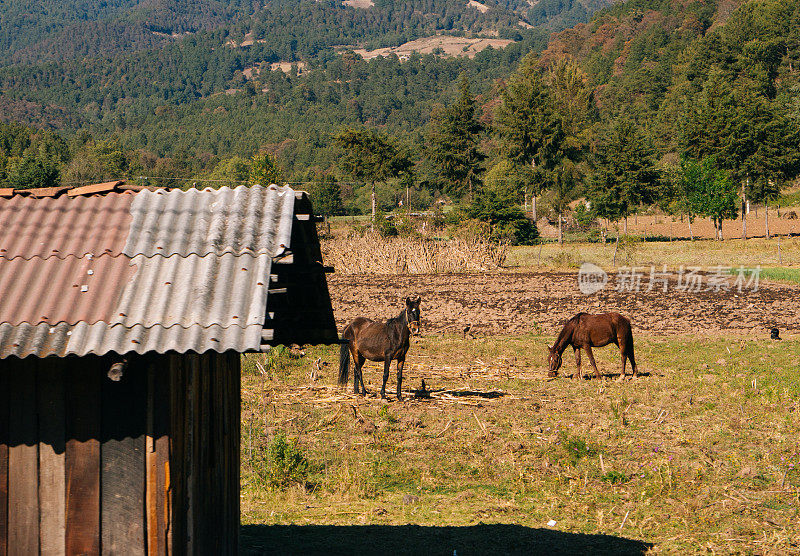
(629,342)
(344,358)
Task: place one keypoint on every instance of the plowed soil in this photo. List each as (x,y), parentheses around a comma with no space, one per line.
(520,302)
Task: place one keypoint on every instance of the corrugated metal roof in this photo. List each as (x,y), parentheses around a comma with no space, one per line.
(225,290)
(142,271)
(64,226)
(82,339)
(252,220)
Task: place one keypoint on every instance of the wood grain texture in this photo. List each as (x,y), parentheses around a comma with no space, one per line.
(23,464)
(82,459)
(177,364)
(160,433)
(52,443)
(5,372)
(151,468)
(204,495)
(122,460)
(192,452)
(234,443)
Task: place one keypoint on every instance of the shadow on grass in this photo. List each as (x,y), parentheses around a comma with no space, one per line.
(414,539)
(426,394)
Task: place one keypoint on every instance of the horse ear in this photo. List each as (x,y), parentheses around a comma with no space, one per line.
(418,300)
(409,302)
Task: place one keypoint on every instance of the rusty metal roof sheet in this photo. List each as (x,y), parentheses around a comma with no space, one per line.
(139,271)
(242,220)
(64,226)
(224,290)
(82,339)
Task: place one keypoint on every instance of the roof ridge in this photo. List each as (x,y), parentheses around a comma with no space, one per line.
(90,256)
(130,326)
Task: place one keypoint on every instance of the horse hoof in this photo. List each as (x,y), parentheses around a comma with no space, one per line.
(552,374)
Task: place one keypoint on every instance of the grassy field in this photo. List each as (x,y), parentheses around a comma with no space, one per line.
(700,454)
(704,253)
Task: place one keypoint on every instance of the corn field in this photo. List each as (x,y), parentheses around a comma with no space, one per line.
(396,255)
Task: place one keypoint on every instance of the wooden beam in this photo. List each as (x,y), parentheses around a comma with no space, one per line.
(178,365)
(5,373)
(23,462)
(52,444)
(122,458)
(82,460)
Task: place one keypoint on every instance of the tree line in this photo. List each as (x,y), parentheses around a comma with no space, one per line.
(718,129)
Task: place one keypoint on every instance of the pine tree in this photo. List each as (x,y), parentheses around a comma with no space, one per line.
(452,144)
(372,157)
(525,124)
(625,173)
(545,121)
(263,170)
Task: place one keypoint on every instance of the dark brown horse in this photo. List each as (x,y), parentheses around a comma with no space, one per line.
(377,341)
(585,331)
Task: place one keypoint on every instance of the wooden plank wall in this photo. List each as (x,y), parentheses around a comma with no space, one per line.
(122,473)
(23,466)
(52,446)
(4,443)
(146,464)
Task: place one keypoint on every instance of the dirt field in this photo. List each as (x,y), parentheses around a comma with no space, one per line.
(526,302)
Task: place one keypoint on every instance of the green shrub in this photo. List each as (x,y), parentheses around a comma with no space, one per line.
(385,226)
(614,478)
(576,448)
(498,208)
(405,227)
(281,463)
(584,218)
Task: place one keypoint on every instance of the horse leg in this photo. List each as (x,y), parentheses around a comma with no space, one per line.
(387,362)
(629,353)
(626,350)
(358,377)
(400,364)
(624,356)
(578,362)
(591,360)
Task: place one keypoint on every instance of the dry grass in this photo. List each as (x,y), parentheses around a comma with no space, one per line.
(374,254)
(448,45)
(704,253)
(702,455)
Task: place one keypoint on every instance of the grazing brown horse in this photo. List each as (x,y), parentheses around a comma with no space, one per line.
(587,331)
(377,341)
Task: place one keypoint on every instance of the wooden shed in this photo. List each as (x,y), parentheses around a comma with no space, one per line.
(123,314)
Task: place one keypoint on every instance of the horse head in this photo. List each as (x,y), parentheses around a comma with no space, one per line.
(412,314)
(554,359)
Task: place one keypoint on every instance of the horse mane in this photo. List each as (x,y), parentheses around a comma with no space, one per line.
(395,325)
(566,332)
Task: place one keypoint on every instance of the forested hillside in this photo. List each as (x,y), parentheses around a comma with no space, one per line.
(290,29)
(196,79)
(629,109)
